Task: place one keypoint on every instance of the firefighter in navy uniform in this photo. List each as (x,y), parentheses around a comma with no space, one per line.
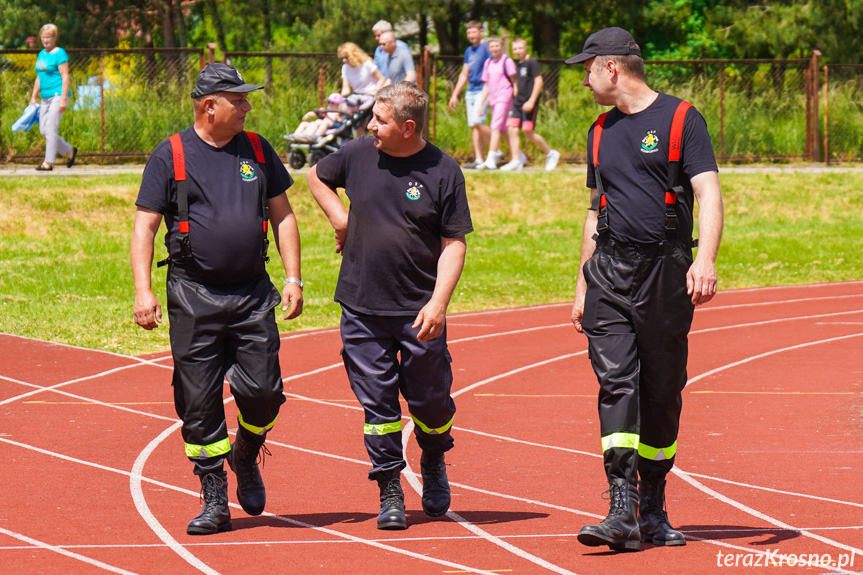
(218,188)
(403,246)
(638,285)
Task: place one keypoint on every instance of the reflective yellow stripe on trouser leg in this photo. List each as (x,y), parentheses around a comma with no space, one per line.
(221,447)
(382,428)
(624,440)
(254,428)
(657,453)
(433,430)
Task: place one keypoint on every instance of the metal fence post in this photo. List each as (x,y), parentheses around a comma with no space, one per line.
(815,83)
(322,81)
(102,101)
(721,110)
(826,121)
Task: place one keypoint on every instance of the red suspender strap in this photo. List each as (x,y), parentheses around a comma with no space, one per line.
(597,134)
(255,141)
(674,146)
(179,158)
(677,131)
(602,216)
(257,147)
(182,194)
(673,186)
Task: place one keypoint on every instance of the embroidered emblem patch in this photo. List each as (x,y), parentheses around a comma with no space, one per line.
(413,192)
(247,172)
(650,143)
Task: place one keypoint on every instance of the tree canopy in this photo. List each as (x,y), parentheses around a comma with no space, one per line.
(666,29)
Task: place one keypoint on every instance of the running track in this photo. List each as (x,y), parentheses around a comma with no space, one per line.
(95,480)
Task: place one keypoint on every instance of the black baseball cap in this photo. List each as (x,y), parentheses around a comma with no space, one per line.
(607,42)
(220,77)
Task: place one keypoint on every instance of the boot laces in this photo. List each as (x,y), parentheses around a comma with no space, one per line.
(392,491)
(249,457)
(617,499)
(434,469)
(211,486)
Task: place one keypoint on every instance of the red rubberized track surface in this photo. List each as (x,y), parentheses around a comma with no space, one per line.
(94,478)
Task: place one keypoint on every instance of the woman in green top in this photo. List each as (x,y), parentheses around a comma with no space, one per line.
(52,85)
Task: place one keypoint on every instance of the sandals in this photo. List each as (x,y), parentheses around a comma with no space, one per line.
(71,161)
(42,168)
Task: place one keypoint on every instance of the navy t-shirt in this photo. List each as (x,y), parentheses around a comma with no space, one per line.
(400,209)
(526,72)
(225,211)
(633,165)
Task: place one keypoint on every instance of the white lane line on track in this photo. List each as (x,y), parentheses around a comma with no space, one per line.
(62,384)
(708,373)
(755,513)
(273,542)
(491,379)
(89,400)
(62,551)
(138,477)
(135,481)
(485,535)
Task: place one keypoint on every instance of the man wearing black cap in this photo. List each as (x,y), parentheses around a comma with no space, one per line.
(638,284)
(218,188)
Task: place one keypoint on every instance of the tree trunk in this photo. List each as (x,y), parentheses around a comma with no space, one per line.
(181,24)
(163,9)
(217,23)
(268,36)
(149,57)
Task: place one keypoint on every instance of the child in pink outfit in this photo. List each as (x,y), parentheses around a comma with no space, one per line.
(498,73)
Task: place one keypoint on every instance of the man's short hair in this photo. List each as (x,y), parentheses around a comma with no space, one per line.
(382,26)
(406,102)
(520,40)
(387,34)
(474,24)
(497,39)
(631,65)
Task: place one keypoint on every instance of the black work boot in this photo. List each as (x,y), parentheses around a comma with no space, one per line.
(215,516)
(620,529)
(243,460)
(652,518)
(436,495)
(392,513)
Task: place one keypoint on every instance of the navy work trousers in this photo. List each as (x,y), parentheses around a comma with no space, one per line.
(637,317)
(383,357)
(218,333)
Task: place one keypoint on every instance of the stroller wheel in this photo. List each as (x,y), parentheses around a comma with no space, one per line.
(315,156)
(296,159)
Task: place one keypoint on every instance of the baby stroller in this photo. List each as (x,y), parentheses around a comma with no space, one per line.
(312,148)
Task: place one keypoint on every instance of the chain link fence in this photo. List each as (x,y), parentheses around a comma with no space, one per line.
(843,113)
(124,102)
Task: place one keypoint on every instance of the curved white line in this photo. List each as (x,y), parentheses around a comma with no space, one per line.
(144,510)
(411,476)
(755,513)
(134,476)
(768,354)
(62,551)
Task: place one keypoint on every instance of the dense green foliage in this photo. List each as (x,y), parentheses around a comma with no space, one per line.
(64,247)
(671,29)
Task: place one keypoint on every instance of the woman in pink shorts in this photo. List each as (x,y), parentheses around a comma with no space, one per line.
(498,75)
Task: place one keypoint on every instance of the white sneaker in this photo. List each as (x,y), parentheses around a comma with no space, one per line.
(512,166)
(496,158)
(551,160)
(522,157)
(489,163)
